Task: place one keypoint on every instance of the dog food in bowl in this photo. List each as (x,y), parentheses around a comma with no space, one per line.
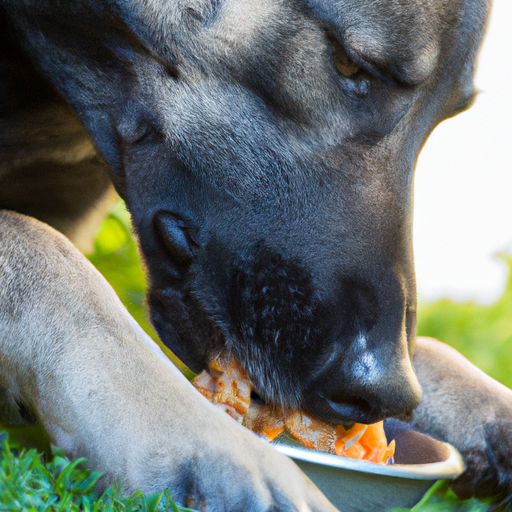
(226,385)
(353,482)
(359,486)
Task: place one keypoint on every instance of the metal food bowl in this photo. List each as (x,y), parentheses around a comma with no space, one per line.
(360,486)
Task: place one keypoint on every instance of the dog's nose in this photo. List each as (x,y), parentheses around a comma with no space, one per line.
(366,384)
(367,393)
(366,374)
(391,393)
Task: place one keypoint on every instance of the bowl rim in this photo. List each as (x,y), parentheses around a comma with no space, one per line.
(449,468)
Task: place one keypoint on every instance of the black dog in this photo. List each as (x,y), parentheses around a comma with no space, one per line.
(265,149)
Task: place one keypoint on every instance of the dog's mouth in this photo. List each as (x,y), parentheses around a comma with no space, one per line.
(316,404)
(356,412)
(321,354)
(227,385)
(284,379)
(312,403)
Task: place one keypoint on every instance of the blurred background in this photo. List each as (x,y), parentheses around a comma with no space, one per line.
(463,215)
(463,194)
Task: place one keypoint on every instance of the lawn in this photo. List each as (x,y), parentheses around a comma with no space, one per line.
(34,483)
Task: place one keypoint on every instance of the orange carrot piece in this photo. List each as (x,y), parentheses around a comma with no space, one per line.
(374,436)
(356,451)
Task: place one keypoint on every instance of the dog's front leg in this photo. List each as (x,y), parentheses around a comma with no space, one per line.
(71,353)
(469,409)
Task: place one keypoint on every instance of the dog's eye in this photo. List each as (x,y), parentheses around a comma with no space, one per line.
(342,62)
(355,79)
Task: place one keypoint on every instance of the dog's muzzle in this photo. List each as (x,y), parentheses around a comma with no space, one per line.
(364,387)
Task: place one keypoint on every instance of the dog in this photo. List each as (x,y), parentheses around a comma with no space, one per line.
(265,150)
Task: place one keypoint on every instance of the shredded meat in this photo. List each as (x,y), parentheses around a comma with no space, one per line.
(226,385)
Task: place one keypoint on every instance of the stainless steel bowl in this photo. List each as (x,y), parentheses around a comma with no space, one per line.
(359,486)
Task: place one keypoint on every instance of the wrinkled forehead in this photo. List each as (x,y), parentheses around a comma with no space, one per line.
(405,37)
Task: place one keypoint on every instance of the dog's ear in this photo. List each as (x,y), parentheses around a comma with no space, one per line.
(178,236)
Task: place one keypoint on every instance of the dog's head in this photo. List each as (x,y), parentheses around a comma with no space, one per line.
(266,149)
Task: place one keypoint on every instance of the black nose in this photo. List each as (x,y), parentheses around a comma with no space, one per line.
(397,395)
(360,411)
(366,384)
(366,374)
(370,404)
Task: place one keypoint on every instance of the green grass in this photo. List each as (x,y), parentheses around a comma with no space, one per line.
(35,482)
(440,498)
(34,478)
(30,483)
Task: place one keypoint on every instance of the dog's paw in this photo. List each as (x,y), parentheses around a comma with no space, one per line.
(465,407)
(489,468)
(235,472)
